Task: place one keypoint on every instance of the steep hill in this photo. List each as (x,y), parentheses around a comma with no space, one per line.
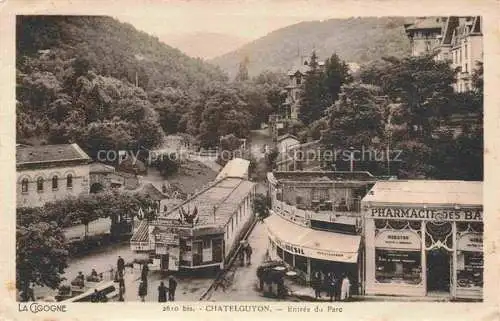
(112,49)
(76,77)
(359,40)
(206,45)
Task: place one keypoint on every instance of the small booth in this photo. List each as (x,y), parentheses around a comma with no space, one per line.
(424,238)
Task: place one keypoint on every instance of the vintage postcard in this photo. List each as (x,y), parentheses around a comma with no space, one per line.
(249,159)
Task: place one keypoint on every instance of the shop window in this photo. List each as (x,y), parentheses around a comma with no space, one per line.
(398,266)
(470,269)
(301,263)
(39,184)
(24,185)
(279,252)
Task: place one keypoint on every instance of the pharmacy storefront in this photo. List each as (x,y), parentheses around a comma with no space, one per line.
(423,248)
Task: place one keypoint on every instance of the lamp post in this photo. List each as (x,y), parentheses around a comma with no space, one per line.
(351,149)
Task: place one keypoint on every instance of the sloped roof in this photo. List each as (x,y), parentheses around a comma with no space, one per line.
(49,153)
(425,23)
(236,167)
(151,191)
(217,203)
(101,168)
(427,192)
(282,137)
(141,234)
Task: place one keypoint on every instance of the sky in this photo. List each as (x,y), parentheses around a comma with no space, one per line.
(243,19)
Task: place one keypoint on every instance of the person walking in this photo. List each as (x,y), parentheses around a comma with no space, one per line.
(346,287)
(172,286)
(143,291)
(144,273)
(120,264)
(162,292)
(248,252)
(316,285)
(331,284)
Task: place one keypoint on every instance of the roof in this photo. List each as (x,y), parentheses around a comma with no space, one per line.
(283,137)
(49,153)
(101,168)
(303,69)
(216,203)
(236,167)
(152,192)
(323,176)
(427,192)
(425,23)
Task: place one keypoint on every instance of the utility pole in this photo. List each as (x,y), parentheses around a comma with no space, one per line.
(136,79)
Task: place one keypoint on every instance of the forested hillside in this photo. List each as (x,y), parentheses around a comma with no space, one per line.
(359,40)
(76,82)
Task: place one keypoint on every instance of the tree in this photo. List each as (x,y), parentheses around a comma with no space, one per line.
(243,70)
(41,256)
(322,87)
(261,205)
(356,120)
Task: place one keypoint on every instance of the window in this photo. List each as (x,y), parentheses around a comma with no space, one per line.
(398,266)
(299,80)
(470,269)
(206,243)
(69,181)
(39,184)
(24,185)
(465,51)
(288,258)
(54,182)
(279,252)
(466,68)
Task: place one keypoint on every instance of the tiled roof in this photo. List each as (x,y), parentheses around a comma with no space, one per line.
(427,192)
(49,153)
(217,203)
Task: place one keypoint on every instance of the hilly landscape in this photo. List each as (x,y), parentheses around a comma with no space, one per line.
(358,40)
(206,45)
(103,84)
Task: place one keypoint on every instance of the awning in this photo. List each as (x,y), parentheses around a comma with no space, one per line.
(311,243)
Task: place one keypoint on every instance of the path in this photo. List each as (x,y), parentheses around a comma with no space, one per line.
(244,286)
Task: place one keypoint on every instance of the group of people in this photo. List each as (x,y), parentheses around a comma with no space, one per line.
(246,254)
(336,288)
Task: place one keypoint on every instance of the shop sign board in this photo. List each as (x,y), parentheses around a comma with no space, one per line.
(394,239)
(472,242)
(427,214)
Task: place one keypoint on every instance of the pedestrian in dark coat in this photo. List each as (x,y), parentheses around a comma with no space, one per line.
(143,290)
(162,292)
(172,286)
(144,273)
(248,252)
(316,285)
(120,264)
(331,285)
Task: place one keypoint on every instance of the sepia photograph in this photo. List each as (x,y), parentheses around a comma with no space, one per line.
(305,159)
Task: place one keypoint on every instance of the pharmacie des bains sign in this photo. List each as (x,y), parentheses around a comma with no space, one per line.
(429,214)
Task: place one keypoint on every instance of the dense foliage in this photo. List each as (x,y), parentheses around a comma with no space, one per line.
(41,249)
(105,85)
(407,108)
(322,87)
(358,40)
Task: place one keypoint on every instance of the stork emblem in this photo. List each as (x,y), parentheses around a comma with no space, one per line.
(189,217)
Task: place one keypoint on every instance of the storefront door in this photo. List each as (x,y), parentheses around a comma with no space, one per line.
(438,270)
